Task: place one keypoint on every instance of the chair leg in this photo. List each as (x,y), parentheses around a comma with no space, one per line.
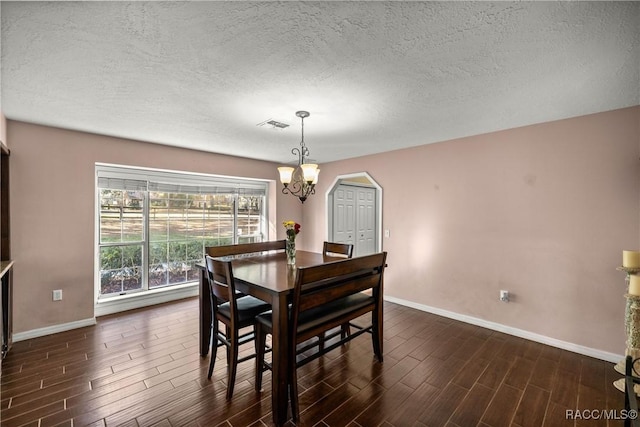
(260,343)
(321,342)
(214,346)
(293,392)
(233,365)
(346,330)
(227,333)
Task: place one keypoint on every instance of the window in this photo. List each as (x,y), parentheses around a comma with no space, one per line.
(153,225)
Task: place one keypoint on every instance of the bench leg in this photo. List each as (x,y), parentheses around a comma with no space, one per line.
(376,334)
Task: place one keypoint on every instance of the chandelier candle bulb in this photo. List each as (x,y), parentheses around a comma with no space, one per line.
(309,172)
(631,259)
(634,284)
(285,174)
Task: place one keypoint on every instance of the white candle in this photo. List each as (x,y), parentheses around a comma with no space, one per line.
(634,284)
(631,259)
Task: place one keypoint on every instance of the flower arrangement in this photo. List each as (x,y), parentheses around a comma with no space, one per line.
(293,228)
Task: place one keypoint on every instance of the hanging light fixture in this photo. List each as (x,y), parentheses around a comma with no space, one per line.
(300,181)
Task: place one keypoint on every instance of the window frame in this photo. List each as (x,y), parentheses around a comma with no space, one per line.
(193,183)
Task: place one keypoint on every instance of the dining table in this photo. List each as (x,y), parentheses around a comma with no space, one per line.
(268,277)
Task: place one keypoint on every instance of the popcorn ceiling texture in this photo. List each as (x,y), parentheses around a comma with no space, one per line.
(375,76)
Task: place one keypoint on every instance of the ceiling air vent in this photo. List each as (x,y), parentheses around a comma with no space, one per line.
(274,124)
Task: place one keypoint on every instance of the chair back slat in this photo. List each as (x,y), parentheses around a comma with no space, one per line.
(341,267)
(221,284)
(331,248)
(338,289)
(244,248)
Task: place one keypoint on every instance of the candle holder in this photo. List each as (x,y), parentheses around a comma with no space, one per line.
(632,327)
(620,366)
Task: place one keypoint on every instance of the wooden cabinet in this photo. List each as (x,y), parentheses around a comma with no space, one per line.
(6,304)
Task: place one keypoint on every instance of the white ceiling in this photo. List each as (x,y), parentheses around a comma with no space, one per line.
(375,76)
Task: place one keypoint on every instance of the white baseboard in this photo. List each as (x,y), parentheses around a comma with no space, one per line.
(63,327)
(115,305)
(587,351)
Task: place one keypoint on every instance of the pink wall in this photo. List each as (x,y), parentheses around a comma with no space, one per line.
(543,211)
(52,211)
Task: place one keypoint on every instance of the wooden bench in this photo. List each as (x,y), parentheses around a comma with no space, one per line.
(326,296)
(244,248)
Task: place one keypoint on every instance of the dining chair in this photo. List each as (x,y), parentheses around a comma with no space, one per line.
(236,312)
(344,250)
(337,249)
(243,249)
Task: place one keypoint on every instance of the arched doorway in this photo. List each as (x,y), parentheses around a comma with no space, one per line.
(354,212)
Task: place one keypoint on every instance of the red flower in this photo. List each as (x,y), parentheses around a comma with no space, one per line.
(296,228)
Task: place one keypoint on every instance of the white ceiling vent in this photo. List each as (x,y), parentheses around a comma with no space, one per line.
(274,124)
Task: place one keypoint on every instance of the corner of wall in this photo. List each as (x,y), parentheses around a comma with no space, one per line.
(3,129)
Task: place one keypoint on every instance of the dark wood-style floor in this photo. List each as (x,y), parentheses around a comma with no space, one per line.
(142,368)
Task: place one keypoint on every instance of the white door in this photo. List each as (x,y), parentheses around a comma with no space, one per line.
(344,215)
(366,222)
(354,218)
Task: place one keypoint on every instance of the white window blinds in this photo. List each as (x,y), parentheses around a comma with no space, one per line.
(137,179)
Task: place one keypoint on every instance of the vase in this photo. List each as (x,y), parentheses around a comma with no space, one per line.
(290,249)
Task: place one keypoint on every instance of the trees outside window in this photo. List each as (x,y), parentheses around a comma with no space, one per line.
(150,238)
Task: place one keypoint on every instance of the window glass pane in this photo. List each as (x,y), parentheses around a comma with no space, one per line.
(110,258)
(192,272)
(177,217)
(120,269)
(110,215)
(249,219)
(179,227)
(132,279)
(158,275)
(158,253)
(121,216)
(132,229)
(218,221)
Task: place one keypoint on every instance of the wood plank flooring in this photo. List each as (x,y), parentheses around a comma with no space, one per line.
(142,368)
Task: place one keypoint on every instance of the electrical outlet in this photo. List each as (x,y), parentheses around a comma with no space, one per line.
(387,233)
(57,295)
(504,296)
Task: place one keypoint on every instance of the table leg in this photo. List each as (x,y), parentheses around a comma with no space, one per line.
(280,360)
(205,313)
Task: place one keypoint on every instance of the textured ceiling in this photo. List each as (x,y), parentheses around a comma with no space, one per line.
(375,76)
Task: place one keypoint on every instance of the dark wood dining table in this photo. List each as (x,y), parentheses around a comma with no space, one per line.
(266,276)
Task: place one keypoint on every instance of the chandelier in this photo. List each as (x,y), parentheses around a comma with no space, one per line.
(301,180)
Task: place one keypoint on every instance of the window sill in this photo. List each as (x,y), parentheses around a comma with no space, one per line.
(121,303)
